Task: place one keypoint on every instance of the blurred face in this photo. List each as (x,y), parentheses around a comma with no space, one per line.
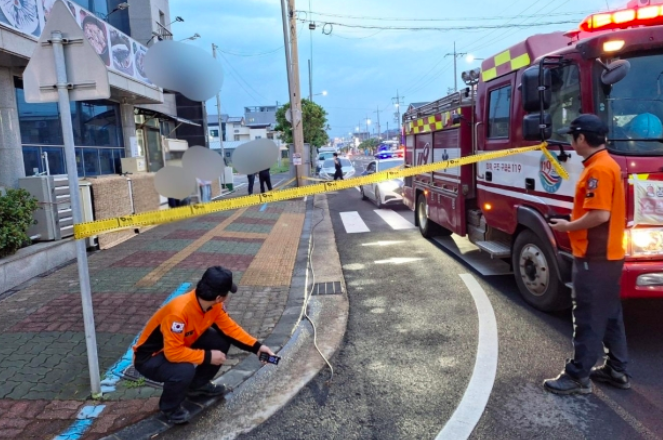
(581,146)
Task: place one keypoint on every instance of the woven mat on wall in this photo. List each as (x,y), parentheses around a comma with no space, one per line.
(146,197)
(111,199)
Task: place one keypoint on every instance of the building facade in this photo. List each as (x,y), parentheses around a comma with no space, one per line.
(138,119)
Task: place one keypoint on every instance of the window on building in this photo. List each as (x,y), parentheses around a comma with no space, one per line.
(236,137)
(258,137)
(167,128)
(499,113)
(565,105)
(162,18)
(97,136)
(214,133)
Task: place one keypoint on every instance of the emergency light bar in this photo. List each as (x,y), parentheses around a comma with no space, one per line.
(646,16)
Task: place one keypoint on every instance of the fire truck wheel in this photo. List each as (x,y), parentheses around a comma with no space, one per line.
(536,274)
(427,227)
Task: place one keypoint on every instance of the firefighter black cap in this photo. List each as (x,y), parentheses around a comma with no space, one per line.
(585,124)
(216,281)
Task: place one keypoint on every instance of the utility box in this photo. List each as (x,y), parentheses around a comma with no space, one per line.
(134,165)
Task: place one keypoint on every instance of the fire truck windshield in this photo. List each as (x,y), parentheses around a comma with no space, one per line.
(633,108)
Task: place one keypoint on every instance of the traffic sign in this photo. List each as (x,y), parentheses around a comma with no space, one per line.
(87,76)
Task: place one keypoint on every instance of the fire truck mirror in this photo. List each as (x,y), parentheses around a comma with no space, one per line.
(534,91)
(615,72)
(534,130)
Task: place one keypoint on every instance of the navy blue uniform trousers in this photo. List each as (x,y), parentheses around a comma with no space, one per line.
(178,377)
(598,321)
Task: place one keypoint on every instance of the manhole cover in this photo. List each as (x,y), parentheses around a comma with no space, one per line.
(331,288)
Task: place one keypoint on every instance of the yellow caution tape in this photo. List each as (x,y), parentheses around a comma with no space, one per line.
(553,160)
(89,229)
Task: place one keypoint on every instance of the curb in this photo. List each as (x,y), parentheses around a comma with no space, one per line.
(283,331)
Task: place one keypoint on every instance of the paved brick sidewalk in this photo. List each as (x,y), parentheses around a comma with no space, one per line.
(44,380)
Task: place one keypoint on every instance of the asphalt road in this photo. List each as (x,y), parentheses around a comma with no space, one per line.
(411,343)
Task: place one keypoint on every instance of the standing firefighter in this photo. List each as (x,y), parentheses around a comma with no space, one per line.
(185,343)
(596,231)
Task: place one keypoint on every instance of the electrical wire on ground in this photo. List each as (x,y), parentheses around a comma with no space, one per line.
(309,293)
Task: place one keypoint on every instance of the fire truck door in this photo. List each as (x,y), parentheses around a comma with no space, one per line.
(448,198)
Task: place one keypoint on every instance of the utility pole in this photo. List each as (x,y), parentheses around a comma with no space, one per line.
(378,126)
(398,101)
(218,111)
(310,81)
(301,171)
(455,55)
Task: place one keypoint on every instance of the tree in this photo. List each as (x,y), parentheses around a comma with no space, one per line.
(314,124)
(369,144)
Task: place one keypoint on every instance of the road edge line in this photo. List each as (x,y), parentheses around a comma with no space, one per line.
(474,401)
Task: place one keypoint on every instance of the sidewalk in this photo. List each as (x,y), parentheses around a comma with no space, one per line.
(44,382)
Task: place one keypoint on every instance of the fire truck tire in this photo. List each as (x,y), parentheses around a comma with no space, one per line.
(534,267)
(428,227)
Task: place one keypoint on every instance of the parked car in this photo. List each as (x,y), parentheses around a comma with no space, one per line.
(389,192)
(322,157)
(328,169)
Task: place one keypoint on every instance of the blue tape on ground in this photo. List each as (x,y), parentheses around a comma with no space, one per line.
(263,207)
(85,418)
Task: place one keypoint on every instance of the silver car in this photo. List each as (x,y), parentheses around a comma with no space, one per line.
(328,169)
(389,192)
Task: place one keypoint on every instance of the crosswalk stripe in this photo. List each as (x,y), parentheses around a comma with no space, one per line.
(393,219)
(353,223)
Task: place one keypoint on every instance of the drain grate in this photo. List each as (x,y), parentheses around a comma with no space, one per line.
(132,374)
(331,288)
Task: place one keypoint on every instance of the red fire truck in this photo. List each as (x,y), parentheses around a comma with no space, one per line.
(612,66)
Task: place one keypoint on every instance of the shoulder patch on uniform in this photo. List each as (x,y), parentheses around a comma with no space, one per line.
(177,327)
(592,183)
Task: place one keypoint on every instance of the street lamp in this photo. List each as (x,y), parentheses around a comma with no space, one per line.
(323,93)
(177,19)
(471,58)
(192,37)
(120,7)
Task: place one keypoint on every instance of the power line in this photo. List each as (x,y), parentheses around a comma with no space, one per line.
(240,80)
(449,28)
(245,54)
(451,19)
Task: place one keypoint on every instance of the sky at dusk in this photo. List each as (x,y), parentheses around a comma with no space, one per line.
(362,69)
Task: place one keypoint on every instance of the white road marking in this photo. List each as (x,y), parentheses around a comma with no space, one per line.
(353,223)
(471,407)
(394,219)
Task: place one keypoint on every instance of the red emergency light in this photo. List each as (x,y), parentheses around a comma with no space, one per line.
(645,16)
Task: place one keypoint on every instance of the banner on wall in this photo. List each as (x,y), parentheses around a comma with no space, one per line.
(119,52)
(648,208)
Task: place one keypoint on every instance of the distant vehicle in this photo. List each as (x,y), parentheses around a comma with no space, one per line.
(383,193)
(389,149)
(328,169)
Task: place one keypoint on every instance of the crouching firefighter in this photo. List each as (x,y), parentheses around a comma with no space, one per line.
(186,341)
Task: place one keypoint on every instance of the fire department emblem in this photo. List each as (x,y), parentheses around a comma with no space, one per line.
(550,180)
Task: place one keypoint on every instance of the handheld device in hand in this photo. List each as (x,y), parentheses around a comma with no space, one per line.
(552,215)
(270,359)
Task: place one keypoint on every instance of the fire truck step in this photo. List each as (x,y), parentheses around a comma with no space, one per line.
(496,249)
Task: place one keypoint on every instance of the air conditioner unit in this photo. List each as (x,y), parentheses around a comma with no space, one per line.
(176,145)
